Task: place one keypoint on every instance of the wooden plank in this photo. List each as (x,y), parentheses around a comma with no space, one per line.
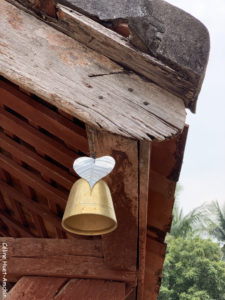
(36,247)
(84,83)
(167,157)
(51,288)
(43,117)
(120,246)
(155,256)
(37,139)
(34,257)
(92,289)
(33,181)
(36,288)
(66,266)
(7,219)
(46,168)
(166,162)
(111,44)
(144,171)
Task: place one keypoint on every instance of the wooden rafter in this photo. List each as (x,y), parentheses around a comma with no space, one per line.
(47,169)
(7,219)
(32,206)
(40,115)
(37,139)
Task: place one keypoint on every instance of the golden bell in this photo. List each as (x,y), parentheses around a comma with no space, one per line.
(89,211)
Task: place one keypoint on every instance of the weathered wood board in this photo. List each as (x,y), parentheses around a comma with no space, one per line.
(120,246)
(82,82)
(155,256)
(42,288)
(144,172)
(179,53)
(171,48)
(36,288)
(66,258)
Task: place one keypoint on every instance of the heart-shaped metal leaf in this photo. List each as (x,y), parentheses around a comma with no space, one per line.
(93,169)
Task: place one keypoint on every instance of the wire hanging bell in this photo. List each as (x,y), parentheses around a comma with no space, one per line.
(89,211)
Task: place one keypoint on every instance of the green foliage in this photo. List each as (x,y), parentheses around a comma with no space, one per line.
(193,270)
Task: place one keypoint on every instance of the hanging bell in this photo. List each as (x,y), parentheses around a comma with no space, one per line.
(89,211)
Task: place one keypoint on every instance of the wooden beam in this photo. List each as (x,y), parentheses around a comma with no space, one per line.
(42,116)
(67,264)
(84,83)
(42,288)
(36,247)
(120,246)
(144,171)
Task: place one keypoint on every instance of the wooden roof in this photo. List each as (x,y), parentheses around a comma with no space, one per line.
(38,145)
(83,82)
(59,100)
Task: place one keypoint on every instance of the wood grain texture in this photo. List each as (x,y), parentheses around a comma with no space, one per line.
(36,288)
(51,288)
(180,81)
(36,247)
(92,290)
(75,258)
(66,266)
(82,82)
(144,172)
(120,246)
(155,256)
(166,162)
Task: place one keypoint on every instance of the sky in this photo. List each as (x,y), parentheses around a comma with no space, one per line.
(203,171)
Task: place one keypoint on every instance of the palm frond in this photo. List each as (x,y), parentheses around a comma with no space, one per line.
(216,215)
